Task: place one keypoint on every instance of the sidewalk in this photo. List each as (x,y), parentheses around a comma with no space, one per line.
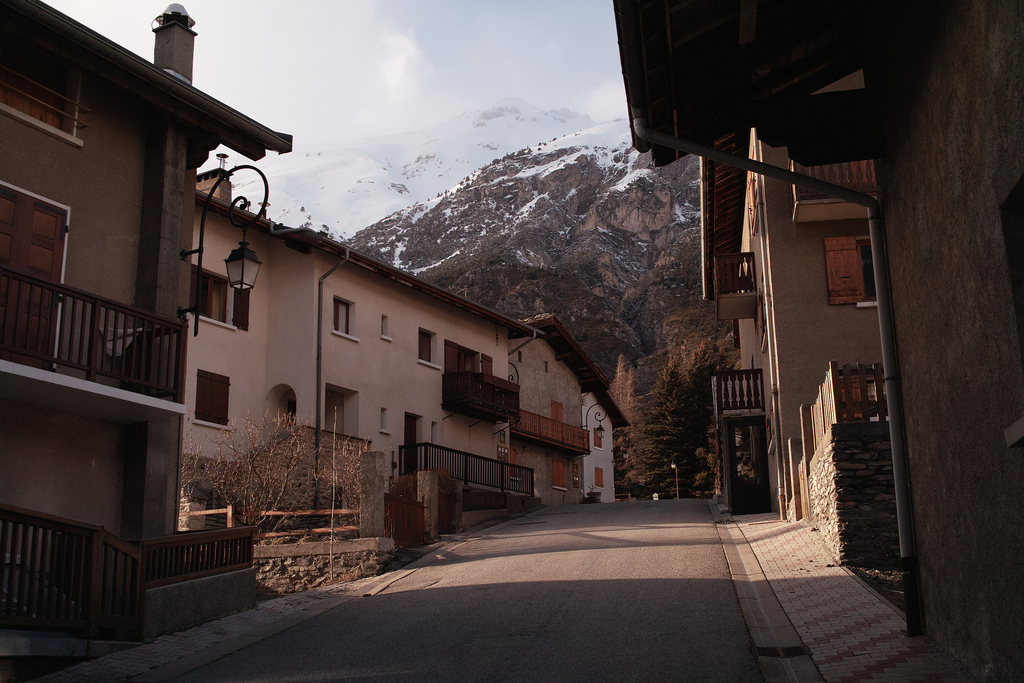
(850,631)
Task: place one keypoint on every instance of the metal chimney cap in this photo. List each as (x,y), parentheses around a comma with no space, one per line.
(176,13)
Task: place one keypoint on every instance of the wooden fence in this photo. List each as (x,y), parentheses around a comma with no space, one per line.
(195,554)
(404,520)
(853,393)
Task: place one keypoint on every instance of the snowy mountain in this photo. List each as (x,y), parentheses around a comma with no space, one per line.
(346,187)
(583,227)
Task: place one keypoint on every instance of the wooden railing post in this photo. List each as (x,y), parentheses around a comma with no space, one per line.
(230,516)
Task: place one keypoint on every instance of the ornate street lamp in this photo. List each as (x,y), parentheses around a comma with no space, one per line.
(599,416)
(242,264)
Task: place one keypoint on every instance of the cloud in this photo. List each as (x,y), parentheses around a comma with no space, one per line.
(606,102)
(402,66)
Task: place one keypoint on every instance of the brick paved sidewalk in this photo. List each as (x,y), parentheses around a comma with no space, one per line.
(853,634)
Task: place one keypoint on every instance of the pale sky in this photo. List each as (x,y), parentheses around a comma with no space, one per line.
(331,70)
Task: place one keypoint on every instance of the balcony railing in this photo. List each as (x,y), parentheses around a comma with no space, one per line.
(45,324)
(738,391)
(852,393)
(480,395)
(551,432)
(470,468)
(195,554)
(735,286)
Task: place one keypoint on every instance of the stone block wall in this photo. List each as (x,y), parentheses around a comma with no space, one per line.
(853,503)
(294,567)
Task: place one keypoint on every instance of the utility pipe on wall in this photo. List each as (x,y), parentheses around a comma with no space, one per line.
(908,558)
(320,346)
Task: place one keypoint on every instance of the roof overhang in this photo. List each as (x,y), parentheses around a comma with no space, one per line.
(214,122)
(703,70)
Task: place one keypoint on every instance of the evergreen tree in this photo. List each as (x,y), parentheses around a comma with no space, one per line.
(629,477)
(678,423)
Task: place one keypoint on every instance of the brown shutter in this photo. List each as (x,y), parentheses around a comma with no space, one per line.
(240,316)
(599,477)
(842,263)
(487,364)
(212,397)
(31,235)
(556,411)
(451,356)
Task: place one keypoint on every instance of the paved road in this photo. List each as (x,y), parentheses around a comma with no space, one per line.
(631,591)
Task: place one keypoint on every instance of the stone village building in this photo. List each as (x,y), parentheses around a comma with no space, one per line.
(941,113)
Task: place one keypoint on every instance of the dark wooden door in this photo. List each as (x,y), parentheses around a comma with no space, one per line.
(409,443)
(31,242)
(748,466)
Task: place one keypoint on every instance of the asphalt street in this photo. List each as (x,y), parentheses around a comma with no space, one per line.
(635,591)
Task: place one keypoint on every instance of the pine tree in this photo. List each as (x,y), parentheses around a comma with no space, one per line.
(677,425)
(628,440)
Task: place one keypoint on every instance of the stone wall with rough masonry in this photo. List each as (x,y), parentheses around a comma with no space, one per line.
(852,498)
(294,567)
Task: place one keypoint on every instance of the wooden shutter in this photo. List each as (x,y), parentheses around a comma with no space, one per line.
(31,235)
(487,364)
(599,477)
(556,411)
(240,315)
(451,356)
(843,265)
(212,397)
(558,473)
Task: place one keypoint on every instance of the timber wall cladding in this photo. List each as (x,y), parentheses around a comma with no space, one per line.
(852,498)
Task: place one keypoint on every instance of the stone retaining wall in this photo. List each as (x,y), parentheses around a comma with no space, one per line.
(294,567)
(852,497)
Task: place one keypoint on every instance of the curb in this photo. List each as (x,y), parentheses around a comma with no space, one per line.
(781,654)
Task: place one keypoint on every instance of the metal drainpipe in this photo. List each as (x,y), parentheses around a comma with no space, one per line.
(772,356)
(320,367)
(908,557)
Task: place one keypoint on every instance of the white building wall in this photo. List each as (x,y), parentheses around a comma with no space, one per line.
(599,456)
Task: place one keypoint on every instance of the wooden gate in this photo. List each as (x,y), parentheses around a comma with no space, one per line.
(404,520)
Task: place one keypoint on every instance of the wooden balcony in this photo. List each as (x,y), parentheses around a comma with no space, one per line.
(480,395)
(54,327)
(735,286)
(813,206)
(470,468)
(852,393)
(738,392)
(550,432)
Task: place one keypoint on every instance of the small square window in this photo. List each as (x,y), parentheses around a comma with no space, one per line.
(342,315)
(213,297)
(426,344)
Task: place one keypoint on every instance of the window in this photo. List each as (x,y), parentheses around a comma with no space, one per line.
(39,87)
(384,420)
(342,310)
(545,366)
(598,478)
(556,411)
(851,277)
(31,234)
(212,397)
(558,474)
(384,327)
(460,359)
(213,296)
(597,437)
(426,344)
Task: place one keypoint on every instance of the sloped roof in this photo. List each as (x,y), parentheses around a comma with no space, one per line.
(568,351)
(308,239)
(93,52)
(702,70)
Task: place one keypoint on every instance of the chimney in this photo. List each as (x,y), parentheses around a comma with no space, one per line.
(175,41)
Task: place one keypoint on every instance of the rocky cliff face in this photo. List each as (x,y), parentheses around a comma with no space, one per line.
(583,227)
